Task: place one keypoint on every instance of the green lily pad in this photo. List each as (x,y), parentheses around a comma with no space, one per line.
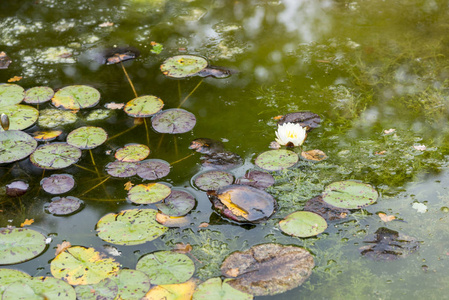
(303,224)
(130,227)
(148,193)
(58,183)
(87,137)
(55,156)
(166,267)
(40,288)
(11,94)
(20,116)
(20,291)
(214,288)
(132,284)
(61,206)
(50,118)
(350,194)
(213,180)
(275,160)
(182,66)
(178,204)
(38,94)
(144,106)
(80,265)
(173,121)
(75,97)
(132,153)
(98,114)
(106,289)
(15,145)
(152,169)
(8,276)
(121,169)
(19,245)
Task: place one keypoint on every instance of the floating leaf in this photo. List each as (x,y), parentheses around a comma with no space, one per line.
(257,179)
(107,289)
(19,245)
(17,188)
(214,288)
(132,284)
(313,155)
(132,153)
(180,291)
(39,288)
(213,180)
(156,47)
(327,211)
(386,218)
(27,222)
(306,119)
(173,221)
(114,105)
(206,146)
(15,145)
(152,169)
(130,227)
(5,61)
(121,169)
(15,79)
(349,194)
(58,183)
(8,276)
(61,247)
(75,97)
(275,160)
(144,106)
(80,265)
(178,204)
(20,116)
(166,267)
(46,136)
(268,269)
(61,206)
(55,156)
(224,160)
(38,94)
(182,66)
(50,118)
(148,193)
(216,72)
(303,224)
(98,114)
(11,94)
(243,203)
(173,121)
(87,137)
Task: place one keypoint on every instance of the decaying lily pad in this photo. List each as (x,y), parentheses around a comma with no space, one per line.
(46,136)
(206,146)
(268,269)
(20,116)
(17,188)
(152,169)
(327,211)
(15,145)
(303,224)
(38,94)
(224,160)
(11,94)
(169,221)
(313,155)
(19,245)
(257,179)
(178,204)
(121,55)
(87,137)
(148,193)
(50,118)
(55,156)
(389,245)
(76,97)
(58,183)
(61,206)
(173,121)
(213,180)
(216,72)
(5,61)
(243,203)
(121,169)
(132,153)
(306,119)
(349,194)
(214,288)
(144,106)
(106,289)
(182,66)
(275,160)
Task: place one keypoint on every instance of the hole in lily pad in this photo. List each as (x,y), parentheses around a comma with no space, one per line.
(221,160)
(19,245)
(213,180)
(55,156)
(173,121)
(303,224)
(306,119)
(152,169)
(257,179)
(38,94)
(58,183)
(182,66)
(148,193)
(178,204)
(349,194)
(121,169)
(87,137)
(61,206)
(17,188)
(327,211)
(11,94)
(15,145)
(20,116)
(75,97)
(275,160)
(132,153)
(144,106)
(206,146)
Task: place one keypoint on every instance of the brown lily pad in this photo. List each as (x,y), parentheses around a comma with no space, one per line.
(224,160)
(257,179)
(268,269)
(5,61)
(17,188)
(306,119)
(313,155)
(206,146)
(327,211)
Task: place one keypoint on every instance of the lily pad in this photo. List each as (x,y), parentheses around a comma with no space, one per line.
(50,118)
(349,194)
(58,183)
(313,155)
(173,221)
(275,160)
(121,169)
(61,206)
(98,114)
(46,136)
(76,97)
(216,72)
(303,224)
(213,180)
(80,265)
(224,160)
(243,203)
(8,276)
(55,156)
(19,245)
(148,193)
(87,137)
(11,94)
(107,289)
(268,269)
(132,284)
(39,288)
(173,121)
(152,169)
(17,188)
(132,153)
(182,66)
(20,116)
(327,211)
(180,291)
(178,204)
(166,267)
(206,146)
(15,145)
(306,119)
(214,288)
(38,94)
(130,227)
(144,106)
(257,179)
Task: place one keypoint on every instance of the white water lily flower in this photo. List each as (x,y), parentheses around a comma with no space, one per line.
(291,133)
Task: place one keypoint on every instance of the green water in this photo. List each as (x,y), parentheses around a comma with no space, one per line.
(364,67)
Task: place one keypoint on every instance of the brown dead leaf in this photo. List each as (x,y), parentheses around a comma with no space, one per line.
(61,247)
(203,225)
(128,185)
(138,121)
(182,248)
(114,105)
(380,152)
(386,218)
(172,221)
(27,222)
(106,24)
(5,61)
(314,155)
(233,272)
(277,117)
(15,78)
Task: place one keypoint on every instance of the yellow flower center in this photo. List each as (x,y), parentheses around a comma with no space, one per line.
(292,134)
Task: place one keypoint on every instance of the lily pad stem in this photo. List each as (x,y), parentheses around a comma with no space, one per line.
(179,160)
(146,129)
(120,133)
(129,79)
(187,97)
(95,186)
(84,168)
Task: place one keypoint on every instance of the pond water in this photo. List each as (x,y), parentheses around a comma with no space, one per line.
(364,67)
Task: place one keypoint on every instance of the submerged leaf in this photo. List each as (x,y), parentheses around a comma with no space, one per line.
(306,119)
(206,146)
(17,188)
(327,211)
